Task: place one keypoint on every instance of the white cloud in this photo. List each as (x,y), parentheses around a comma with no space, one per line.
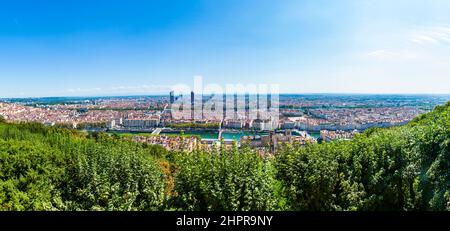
(388,55)
(383,54)
(437,35)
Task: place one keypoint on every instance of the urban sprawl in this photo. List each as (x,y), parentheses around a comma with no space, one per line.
(150,119)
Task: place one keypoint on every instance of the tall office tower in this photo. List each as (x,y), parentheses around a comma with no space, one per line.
(182,102)
(269,101)
(235,105)
(192,105)
(203,107)
(258,116)
(171,101)
(247,106)
(172,97)
(224,106)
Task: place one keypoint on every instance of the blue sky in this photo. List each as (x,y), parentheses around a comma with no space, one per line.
(76,48)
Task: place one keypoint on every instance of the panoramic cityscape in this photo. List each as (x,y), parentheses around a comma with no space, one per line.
(149,119)
(224,114)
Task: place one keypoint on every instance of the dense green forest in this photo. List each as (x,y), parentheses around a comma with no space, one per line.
(403,168)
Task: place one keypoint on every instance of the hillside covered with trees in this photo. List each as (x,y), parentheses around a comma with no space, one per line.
(403,168)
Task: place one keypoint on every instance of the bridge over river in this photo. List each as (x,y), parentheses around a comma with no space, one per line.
(157,131)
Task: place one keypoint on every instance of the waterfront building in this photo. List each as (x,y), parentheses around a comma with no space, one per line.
(112,124)
(141,123)
(258,124)
(288,125)
(234,124)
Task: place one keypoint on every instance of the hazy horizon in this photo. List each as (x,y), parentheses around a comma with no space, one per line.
(281,94)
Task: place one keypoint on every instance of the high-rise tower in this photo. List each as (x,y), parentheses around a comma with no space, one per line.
(224,106)
(192,105)
(172,97)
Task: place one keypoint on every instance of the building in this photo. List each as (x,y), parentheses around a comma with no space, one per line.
(192,105)
(288,125)
(141,123)
(172,97)
(234,124)
(337,135)
(112,124)
(274,140)
(258,125)
(224,106)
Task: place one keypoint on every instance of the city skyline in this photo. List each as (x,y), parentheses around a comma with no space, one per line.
(143,48)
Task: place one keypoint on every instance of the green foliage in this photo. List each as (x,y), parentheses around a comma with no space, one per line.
(26,181)
(113,177)
(405,168)
(310,175)
(225,181)
(50,169)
